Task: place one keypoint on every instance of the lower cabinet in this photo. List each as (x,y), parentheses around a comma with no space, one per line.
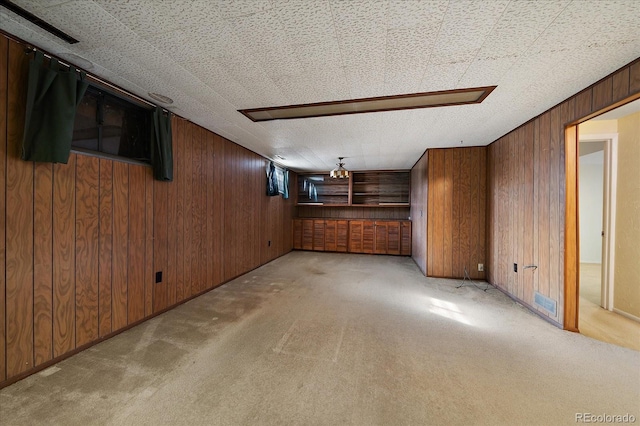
(353,236)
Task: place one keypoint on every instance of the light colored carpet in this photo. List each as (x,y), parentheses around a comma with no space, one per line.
(328,339)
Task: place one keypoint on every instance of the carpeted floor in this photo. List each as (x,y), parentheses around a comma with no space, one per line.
(328,339)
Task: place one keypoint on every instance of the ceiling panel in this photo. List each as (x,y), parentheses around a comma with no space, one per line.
(215,57)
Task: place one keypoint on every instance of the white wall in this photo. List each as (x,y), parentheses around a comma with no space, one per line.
(591,170)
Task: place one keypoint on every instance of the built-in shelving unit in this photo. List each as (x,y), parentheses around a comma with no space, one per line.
(362,189)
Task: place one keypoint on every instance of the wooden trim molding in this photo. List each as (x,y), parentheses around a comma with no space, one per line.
(571,236)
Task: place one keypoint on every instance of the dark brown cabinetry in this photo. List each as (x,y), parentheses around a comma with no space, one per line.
(353,236)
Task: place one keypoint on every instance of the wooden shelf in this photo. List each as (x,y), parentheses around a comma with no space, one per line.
(362,189)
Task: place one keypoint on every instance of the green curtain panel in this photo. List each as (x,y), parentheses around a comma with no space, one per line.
(53,95)
(162,153)
(285,192)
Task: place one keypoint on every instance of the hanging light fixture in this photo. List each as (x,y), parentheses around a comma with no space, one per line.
(340,172)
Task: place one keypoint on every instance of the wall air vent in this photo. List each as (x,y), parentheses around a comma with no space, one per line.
(37,21)
(546,303)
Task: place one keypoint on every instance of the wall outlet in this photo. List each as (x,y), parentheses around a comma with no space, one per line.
(515,267)
(158,277)
(480,267)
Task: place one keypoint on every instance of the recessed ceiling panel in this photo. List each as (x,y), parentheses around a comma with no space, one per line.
(383,103)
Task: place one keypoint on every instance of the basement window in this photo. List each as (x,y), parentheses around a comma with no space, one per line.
(109,124)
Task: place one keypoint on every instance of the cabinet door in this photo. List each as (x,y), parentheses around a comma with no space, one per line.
(330,235)
(393,238)
(297,234)
(342,235)
(381,238)
(368,236)
(405,248)
(318,235)
(355,236)
(307,234)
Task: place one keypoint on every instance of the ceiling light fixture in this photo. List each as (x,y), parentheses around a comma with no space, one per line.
(340,172)
(472,95)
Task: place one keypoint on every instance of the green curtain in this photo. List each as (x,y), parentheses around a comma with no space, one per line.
(162,152)
(285,192)
(53,96)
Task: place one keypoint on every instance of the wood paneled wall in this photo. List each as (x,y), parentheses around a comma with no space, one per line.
(456,212)
(527,197)
(418,212)
(80,243)
(351,212)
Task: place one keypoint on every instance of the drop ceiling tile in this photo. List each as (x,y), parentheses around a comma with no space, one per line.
(416,13)
(306,21)
(259,32)
(365,82)
(151,17)
(318,56)
(413,44)
(443,77)
(236,8)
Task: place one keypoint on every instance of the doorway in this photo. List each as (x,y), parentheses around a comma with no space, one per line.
(597,155)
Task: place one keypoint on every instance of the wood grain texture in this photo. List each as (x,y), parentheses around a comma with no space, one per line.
(620,82)
(393,238)
(634,78)
(352,212)
(602,94)
(419,176)
(355,236)
(136,251)
(19,225)
(297,234)
(4,54)
(43,264)
(87,251)
(381,237)
(318,235)
(330,243)
(342,235)
(80,243)
(368,236)
(307,234)
(120,245)
(64,303)
(455,210)
(572,258)
(149,275)
(105,247)
(583,102)
(406,236)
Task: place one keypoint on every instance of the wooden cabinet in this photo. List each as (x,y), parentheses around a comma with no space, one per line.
(318,235)
(353,236)
(393,238)
(405,238)
(307,234)
(342,235)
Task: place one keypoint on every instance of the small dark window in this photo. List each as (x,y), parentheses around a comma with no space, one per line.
(109,124)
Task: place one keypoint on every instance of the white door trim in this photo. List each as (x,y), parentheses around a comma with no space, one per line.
(608,212)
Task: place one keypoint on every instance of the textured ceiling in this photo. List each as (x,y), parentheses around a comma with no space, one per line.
(214,57)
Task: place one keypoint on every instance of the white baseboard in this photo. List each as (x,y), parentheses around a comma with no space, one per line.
(626,315)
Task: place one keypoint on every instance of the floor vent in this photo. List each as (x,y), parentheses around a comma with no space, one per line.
(546,303)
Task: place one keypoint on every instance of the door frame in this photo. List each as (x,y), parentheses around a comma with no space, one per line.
(610,179)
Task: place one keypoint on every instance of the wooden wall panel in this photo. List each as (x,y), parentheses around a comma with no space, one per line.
(43,264)
(86,239)
(456,212)
(119,299)
(80,242)
(149,274)
(105,247)
(4,54)
(64,299)
(19,225)
(418,212)
(544,171)
(136,252)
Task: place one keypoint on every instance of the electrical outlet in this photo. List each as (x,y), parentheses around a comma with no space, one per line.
(515,267)
(480,267)
(158,277)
